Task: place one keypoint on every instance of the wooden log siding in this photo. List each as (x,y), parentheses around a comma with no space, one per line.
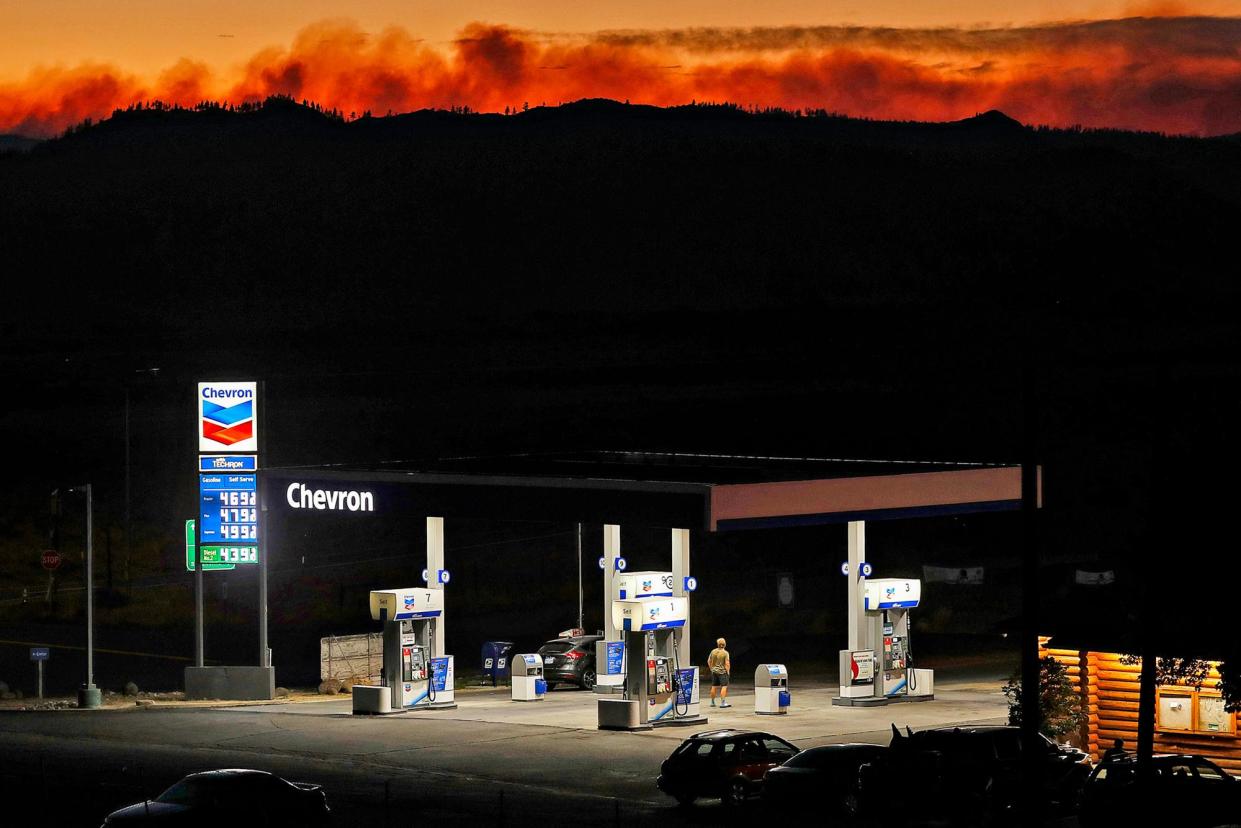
(1110,690)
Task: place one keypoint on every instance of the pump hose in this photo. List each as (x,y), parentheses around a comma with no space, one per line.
(431,681)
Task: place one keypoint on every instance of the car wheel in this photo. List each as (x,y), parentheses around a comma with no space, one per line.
(736,792)
(588,680)
(685,800)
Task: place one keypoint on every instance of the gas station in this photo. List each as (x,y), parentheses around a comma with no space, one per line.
(647,677)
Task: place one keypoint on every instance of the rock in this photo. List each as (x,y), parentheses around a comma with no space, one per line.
(131,689)
(282,692)
(144,702)
(329,686)
(18,694)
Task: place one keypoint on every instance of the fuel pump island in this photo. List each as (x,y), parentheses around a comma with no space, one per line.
(415,676)
(877,667)
(657,689)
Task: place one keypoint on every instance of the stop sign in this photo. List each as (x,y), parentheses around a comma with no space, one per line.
(51,559)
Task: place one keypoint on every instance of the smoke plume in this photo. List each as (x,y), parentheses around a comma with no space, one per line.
(1169,74)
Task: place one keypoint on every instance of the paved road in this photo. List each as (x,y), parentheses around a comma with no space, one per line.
(490,762)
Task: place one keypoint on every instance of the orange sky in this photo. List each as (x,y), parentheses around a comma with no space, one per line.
(146,36)
(63,60)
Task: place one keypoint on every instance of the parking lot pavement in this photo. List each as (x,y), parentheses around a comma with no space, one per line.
(456,761)
(812,719)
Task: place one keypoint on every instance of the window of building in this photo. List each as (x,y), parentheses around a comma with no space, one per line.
(1183,709)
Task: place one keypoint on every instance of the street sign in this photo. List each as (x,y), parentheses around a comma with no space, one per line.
(50,559)
(40,653)
(209,563)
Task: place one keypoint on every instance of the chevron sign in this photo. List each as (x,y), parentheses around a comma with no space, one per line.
(227,415)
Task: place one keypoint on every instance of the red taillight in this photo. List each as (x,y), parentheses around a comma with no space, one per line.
(574,654)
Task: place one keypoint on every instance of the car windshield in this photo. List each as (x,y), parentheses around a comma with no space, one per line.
(813,759)
(189,792)
(820,758)
(556,647)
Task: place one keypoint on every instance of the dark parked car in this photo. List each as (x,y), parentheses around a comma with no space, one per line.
(826,775)
(1184,790)
(729,764)
(967,775)
(230,797)
(570,661)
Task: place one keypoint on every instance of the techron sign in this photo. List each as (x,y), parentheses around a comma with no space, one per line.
(301,496)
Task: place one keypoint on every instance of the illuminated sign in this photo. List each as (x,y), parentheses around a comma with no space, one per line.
(209,563)
(208,463)
(227,416)
(299,496)
(228,508)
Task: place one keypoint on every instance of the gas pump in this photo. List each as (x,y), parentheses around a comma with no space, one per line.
(609,654)
(887,603)
(415,677)
(658,690)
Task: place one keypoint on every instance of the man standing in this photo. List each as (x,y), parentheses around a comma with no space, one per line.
(720,666)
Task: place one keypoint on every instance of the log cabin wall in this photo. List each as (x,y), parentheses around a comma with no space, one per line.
(1109,689)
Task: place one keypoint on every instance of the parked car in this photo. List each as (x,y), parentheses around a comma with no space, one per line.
(966,775)
(570,661)
(826,775)
(241,797)
(1184,790)
(729,764)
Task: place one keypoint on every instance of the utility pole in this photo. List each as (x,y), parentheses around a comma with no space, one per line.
(581,625)
(88,694)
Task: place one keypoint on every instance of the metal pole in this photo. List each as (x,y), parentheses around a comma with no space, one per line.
(264,656)
(264,653)
(40,687)
(90,588)
(1030,679)
(128,522)
(581,624)
(89,696)
(199,653)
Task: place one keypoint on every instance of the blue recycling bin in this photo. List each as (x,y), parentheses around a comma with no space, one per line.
(495,659)
(786,698)
(540,687)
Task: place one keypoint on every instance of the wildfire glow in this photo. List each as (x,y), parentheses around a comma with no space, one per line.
(1171,74)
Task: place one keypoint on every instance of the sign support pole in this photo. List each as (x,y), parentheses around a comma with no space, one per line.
(40,684)
(264,553)
(198,601)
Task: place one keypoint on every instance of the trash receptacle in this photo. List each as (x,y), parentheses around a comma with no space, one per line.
(771,690)
(528,682)
(495,659)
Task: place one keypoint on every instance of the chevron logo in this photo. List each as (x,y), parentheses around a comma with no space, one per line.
(228,424)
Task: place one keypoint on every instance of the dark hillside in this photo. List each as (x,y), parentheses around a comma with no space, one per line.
(608,276)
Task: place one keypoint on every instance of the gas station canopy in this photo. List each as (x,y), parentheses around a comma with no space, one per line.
(691,491)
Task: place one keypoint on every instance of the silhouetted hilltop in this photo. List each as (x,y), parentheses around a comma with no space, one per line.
(167,221)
